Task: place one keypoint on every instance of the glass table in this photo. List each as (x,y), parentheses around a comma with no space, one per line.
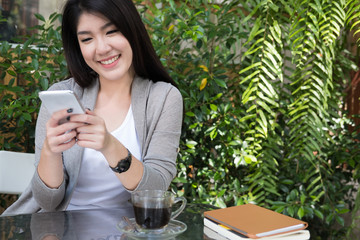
(100,224)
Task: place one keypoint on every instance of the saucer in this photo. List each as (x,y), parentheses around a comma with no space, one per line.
(173,229)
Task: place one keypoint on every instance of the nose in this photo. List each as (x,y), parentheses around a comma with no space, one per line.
(102,46)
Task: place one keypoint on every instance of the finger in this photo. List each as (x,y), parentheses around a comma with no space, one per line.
(91,140)
(88,144)
(55,140)
(98,129)
(58,116)
(88,111)
(67,137)
(61,129)
(64,146)
(64,137)
(61,142)
(69,126)
(85,118)
(90,137)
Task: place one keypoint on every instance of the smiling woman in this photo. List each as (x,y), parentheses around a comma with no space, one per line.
(104,47)
(129,136)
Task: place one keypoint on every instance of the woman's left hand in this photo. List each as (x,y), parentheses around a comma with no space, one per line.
(93,134)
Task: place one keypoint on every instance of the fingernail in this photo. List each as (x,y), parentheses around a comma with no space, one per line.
(70,110)
(68,118)
(88,109)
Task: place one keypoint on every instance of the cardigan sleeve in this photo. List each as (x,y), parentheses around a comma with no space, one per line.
(47,198)
(37,196)
(164,116)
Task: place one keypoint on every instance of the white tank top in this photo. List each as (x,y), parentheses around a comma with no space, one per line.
(98,186)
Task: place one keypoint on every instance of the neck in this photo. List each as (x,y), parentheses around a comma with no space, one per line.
(114,93)
(120,87)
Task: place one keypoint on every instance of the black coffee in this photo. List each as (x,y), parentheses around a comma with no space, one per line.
(152,218)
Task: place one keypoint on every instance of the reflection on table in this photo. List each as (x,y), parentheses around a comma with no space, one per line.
(99,224)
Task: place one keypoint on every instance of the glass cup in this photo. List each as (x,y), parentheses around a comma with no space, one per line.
(153,208)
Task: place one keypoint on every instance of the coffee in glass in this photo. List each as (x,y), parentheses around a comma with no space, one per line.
(153,208)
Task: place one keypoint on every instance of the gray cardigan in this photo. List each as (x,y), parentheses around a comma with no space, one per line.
(157,109)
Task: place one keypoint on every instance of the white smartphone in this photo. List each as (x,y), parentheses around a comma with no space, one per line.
(61,99)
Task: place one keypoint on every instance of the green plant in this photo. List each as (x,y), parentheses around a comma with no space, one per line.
(263,84)
(26,68)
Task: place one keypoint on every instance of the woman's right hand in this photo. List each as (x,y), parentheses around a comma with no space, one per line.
(60,131)
(59,137)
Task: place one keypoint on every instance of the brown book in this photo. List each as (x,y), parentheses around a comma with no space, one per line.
(254,221)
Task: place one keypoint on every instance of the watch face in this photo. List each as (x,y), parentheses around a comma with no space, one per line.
(123,165)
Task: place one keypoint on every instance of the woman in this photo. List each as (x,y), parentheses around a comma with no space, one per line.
(129,136)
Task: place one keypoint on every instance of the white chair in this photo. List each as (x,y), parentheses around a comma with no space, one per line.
(16,171)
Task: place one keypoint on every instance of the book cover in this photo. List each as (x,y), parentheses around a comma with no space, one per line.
(213,230)
(254,221)
(216,231)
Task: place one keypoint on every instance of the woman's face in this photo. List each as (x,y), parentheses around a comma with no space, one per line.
(104,48)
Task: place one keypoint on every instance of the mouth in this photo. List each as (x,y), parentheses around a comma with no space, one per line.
(110,61)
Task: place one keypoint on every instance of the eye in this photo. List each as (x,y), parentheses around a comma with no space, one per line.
(112,31)
(85,40)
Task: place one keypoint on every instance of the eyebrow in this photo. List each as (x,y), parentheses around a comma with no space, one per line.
(102,28)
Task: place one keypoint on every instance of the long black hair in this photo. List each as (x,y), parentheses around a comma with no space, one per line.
(124,15)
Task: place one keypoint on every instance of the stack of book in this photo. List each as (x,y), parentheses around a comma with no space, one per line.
(254,222)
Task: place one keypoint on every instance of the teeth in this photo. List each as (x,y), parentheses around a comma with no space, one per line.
(110,60)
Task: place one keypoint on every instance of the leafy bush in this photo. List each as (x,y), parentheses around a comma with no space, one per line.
(264,87)
(25,69)
(27,66)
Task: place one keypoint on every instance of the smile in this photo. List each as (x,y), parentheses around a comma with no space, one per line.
(110,61)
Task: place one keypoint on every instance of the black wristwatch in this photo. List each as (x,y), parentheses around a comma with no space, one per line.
(123,165)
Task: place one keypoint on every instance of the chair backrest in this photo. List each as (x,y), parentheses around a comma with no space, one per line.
(16,171)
